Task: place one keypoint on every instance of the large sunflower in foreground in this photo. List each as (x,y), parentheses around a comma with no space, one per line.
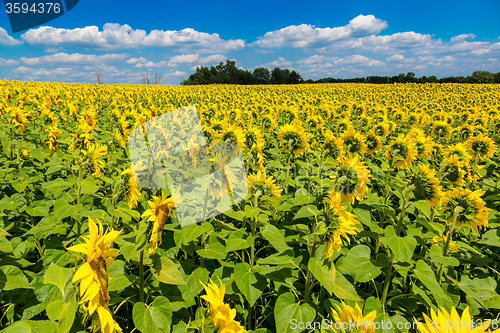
(481,146)
(353,142)
(94,275)
(332,146)
(401,151)
(454,170)
(292,137)
(372,142)
(222,314)
(426,185)
(350,180)
(452,322)
(160,210)
(354,316)
(259,182)
(474,212)
(342,222)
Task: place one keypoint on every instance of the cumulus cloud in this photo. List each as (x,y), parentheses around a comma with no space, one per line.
(73,58)
(306,35)
(114,36)
(7,40)
(462,37)
(280,62)
(8,62)
(396,57)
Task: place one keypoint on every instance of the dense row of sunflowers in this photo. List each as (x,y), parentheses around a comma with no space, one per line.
(366,204)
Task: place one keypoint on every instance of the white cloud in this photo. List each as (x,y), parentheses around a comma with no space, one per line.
(184,59)
(42,71)
(141,60)
(73,58)
(396,57)
(447,59)
(7,40)
(8,62)
(115,36)
(178,73)
(213,59)
(462,37)
(480,51)
(306,35)
(280,62)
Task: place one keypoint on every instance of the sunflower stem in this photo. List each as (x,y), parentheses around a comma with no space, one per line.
(141,276)
(113,200)
(399,226)
(449,234)
(308,286)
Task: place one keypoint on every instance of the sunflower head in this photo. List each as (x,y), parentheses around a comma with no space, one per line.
(473,211)
(293,138)
(258,184)
(401,151)
(426,184)
(454,170)
(481,146)
(353,142)
(350,180)
(354,316)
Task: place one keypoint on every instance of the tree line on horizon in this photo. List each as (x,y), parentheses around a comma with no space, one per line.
(228,73)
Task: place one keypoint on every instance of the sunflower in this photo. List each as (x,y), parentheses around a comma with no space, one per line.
(222,314)
(444,322)
(459,150)
(160,210)
(381,129)
(426,185)
(350,180)
(343,126)
(332,145)
(225,179)
(94,275)
(346,223)
(234,135)
(268,123)
(441,239)
(259,182)
(346,314)
(474,212)
(53,132)
(131,193)
(481,146)
(401,151)
(454,170)
(254,139)
(19,118)
(372,142)
(441,129)
(93,152)
(292,137)
(353,142)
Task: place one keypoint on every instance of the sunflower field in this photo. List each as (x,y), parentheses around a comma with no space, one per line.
(372,204)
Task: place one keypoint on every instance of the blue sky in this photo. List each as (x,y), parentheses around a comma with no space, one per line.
(316,38)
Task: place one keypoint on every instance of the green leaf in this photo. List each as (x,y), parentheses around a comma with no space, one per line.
(213,251)
(155,318)
(307,211)
(324,274)
(18,327)
(402,247)
(238,240)
(64,209)
(358,263)
(58,276)
(478,289)
(13,278)
(19,185)
(289,314)
(56,185)
(238,215)
(284,258)
(119,280)
(426,275)
(89,186)
(424,207)
(251,285)
(273,235)
(63,313)
(166,271)
(38,208)
(193,231)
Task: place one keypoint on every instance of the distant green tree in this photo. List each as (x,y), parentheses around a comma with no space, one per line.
(482,77)
(496,78)
(262,75)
